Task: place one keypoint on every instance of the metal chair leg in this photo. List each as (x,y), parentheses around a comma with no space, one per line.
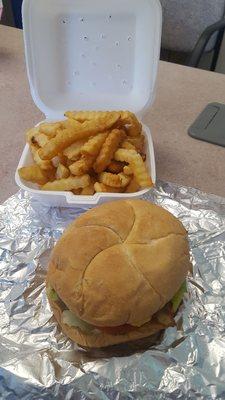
(196,54)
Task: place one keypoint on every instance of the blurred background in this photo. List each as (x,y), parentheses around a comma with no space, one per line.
(193,31)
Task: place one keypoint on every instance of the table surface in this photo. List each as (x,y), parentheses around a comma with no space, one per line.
(182,93)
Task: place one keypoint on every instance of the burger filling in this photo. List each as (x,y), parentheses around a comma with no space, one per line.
(164,316)
(178,297)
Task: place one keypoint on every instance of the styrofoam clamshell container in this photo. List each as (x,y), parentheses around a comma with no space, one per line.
(91,55)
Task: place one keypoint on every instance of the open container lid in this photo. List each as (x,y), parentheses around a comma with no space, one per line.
(92,54)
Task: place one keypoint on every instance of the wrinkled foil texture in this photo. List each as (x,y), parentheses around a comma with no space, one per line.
(38,362)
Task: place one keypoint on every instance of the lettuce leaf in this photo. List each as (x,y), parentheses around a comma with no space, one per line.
(178,297)
(52,294)
(70,319)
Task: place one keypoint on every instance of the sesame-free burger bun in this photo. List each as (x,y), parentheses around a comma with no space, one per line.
(117,264)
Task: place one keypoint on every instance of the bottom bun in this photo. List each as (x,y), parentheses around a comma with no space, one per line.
(103,339)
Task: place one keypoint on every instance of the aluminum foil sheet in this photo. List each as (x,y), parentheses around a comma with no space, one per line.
(38,362)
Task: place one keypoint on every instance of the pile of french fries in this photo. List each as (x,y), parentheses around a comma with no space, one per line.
(88,152)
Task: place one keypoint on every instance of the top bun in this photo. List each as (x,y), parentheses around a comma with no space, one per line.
(120,263)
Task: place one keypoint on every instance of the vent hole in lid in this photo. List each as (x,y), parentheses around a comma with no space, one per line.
(86,38)
(65,20)
(81,19)
(117,43)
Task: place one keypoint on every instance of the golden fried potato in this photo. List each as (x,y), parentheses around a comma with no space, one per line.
(68,184)
(127,145)
(132,126)
(62,172)
(66,137)
(82,116)
(138,142)
(127,119)
(88,190)
(82,166)
(106,145)
(30,135)
(108,149)
(115,167)
(93,146)
(77,192)
(62,159)
(133,186)
(33,173)
(137,165)
(74,150)
(49,129)
(45,165)
(70,162)
(115,180)
(101,188)
(127,170)
(41,139)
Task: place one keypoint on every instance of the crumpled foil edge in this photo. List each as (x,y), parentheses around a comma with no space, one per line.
(38,362)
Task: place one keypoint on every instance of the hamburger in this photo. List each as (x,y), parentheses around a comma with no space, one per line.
(118,273)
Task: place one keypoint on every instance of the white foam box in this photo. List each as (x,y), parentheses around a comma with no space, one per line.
(91,55)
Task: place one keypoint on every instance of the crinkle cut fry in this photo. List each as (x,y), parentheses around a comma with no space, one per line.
(89,190)
(62,172)
(127,170)
(133,186)
(127,145)
(101,188)
(33,173)
(133,126)
(74,149)
(82,116)
(114,180)
(137,165)
(45,165)
(115,167)
(73,182)
(66,137)
(93,146)
(82,166)
(108,149)
(138,142)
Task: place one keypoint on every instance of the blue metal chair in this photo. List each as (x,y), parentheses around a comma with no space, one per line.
(193,27)
(17,12)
